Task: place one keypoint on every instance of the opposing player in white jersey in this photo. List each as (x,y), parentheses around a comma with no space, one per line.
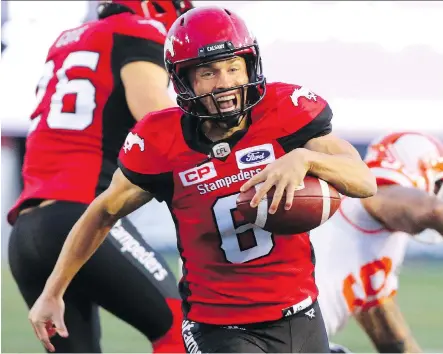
(360,249)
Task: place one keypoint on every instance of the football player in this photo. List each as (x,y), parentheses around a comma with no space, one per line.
(244,289)
(361,248)
(98,80)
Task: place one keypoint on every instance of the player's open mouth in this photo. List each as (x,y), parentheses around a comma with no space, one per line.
(227,103)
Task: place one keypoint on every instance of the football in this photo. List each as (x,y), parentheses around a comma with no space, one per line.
(315,201)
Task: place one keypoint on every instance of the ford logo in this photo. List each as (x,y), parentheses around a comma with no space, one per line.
(255,156)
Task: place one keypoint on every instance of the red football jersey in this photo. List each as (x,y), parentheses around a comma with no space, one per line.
(234,272)
(82,118)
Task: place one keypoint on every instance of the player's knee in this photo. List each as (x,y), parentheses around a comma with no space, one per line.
(163,322)
(171,341)
(169,317)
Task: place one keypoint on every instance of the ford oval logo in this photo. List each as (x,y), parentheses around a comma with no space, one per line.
(255,156)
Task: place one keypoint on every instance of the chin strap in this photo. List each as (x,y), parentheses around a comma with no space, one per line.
(230,122)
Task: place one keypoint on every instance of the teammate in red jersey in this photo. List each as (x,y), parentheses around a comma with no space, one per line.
(243,289)
(98,79)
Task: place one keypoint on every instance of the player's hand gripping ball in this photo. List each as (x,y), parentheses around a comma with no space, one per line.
(315,201)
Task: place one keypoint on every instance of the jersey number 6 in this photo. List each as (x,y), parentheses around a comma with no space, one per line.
(241,242)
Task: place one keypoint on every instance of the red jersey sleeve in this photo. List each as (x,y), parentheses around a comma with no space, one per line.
(303,115)
(144,163)
(137,39)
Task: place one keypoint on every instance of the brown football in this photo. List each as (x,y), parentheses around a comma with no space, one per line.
(314,203)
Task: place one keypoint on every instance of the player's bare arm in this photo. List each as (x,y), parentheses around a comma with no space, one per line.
(120,199)
(329,158)
(339,163)
(387,328)
(145,86)
(406,209)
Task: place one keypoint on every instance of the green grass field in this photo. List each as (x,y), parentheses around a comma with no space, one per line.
(421,290)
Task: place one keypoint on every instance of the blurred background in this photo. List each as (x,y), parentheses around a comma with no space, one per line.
(379,64)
